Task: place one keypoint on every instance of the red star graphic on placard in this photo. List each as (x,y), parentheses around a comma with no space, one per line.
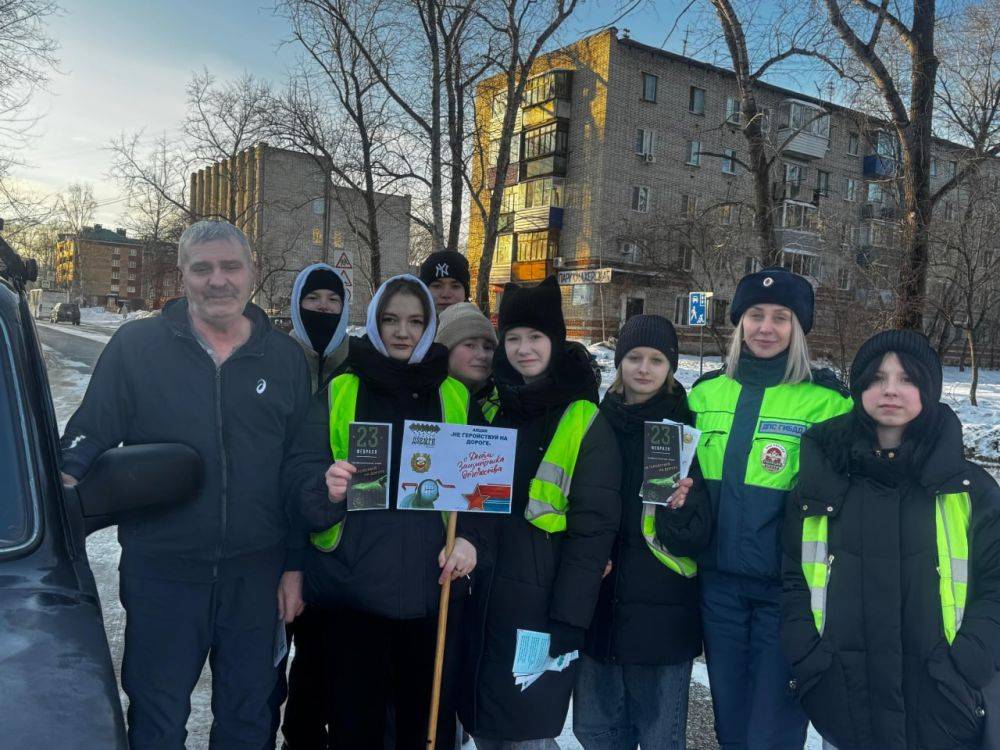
(484,492)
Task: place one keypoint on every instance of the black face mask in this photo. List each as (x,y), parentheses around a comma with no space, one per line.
(320,328)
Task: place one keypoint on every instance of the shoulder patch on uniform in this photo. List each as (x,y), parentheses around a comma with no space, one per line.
(824,376)
(710,375)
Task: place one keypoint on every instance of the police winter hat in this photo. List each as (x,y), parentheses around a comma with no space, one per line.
(653,331)
(322,278)
(774,286)
(538,306)
(912,343)
(463,321)
(446,264)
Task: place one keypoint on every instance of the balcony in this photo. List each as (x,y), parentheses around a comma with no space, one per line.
(879,211)
(506,222)
(532,270)
(803,129)
(538,219)
(878,167)
(491,175)
(554,166)
(795,191)
(546,87)
(541,114)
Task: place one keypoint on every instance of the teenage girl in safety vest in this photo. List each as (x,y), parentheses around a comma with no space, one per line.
(632,685)
(892,566)
(551,551)
(752,414)
(379,571)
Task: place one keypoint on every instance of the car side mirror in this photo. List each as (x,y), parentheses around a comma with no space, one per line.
(135,478)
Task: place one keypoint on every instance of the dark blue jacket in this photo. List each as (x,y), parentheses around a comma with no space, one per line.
(155,383)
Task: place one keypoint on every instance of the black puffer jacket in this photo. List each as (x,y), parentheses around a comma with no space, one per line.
(387,561)
(882,676)
(539,579)
(646,613)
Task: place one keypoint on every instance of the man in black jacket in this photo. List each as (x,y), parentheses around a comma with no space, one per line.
(198,579)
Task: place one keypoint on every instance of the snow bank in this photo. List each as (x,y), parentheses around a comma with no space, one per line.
(98,316)
(981,424)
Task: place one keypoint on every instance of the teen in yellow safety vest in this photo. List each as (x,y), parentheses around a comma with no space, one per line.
(892,564)
(551,551)
(752,414)
(379,571)
(646,629)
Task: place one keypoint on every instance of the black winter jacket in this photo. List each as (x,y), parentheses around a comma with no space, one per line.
(646,613)
(882,676)
(387,561)
(154,383)
(541,580)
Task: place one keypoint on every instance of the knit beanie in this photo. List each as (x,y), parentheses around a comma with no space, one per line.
(653,331)
(446,264)
(322,278)
(909,342)
(463,321)
(538,306)
(774,286)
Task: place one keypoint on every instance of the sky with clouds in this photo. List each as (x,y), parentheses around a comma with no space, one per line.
(125,64)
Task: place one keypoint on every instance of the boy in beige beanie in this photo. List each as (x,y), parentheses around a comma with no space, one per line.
(471,341)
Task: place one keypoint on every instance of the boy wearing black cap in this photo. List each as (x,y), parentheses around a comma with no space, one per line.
(446,274)
(891,611)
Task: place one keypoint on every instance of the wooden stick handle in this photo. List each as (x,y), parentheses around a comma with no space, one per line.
(449,546)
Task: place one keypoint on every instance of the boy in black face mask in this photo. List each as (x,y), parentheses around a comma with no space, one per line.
(319,324)
(319,319)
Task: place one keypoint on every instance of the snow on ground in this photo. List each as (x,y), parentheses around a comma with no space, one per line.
(981,424)
(98,316)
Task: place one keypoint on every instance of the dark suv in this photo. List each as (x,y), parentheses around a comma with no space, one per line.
(68,312)
(56,678)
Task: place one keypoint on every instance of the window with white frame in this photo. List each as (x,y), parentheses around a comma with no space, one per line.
(751,264)
(649,82)
(843,277)
(685,256)
(132,252)
(114,287)
(732,110)
(804,118)
(696,100)
(933,167)
(502,254)
(726,214)
(629,251)
(640,198)
(800,262)
(693,154)
(794,174)
(951,170)
(850,189)
(874,192)
(645,140)
(131,290)
(583,294)
(131,264)
(798,216)
(729,160)
(823,182)
(853,144)
(689,206)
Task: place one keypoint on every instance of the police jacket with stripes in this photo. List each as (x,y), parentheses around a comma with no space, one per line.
(882,674)
(751,426)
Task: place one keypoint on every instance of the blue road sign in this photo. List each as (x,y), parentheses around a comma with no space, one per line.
(697,304)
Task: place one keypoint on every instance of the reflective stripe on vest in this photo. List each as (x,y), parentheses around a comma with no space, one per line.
(951,522)
(343,400)
(548,493)
(683,566)
(952,513)
(491,406)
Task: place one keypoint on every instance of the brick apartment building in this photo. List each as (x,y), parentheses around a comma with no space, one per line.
(625,180)
(161,279)
(98,266)
(295,215)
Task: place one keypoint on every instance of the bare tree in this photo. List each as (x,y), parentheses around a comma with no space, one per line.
(756,46)
(523,28)
(76,206)
(27,58)
(335,110)
(909,97)
(155,177)
(968,265)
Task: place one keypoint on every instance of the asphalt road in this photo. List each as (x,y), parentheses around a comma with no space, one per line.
(70,355)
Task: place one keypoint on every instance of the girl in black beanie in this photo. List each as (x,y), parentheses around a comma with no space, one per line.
(891,612)
(632,684)
(551,551)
